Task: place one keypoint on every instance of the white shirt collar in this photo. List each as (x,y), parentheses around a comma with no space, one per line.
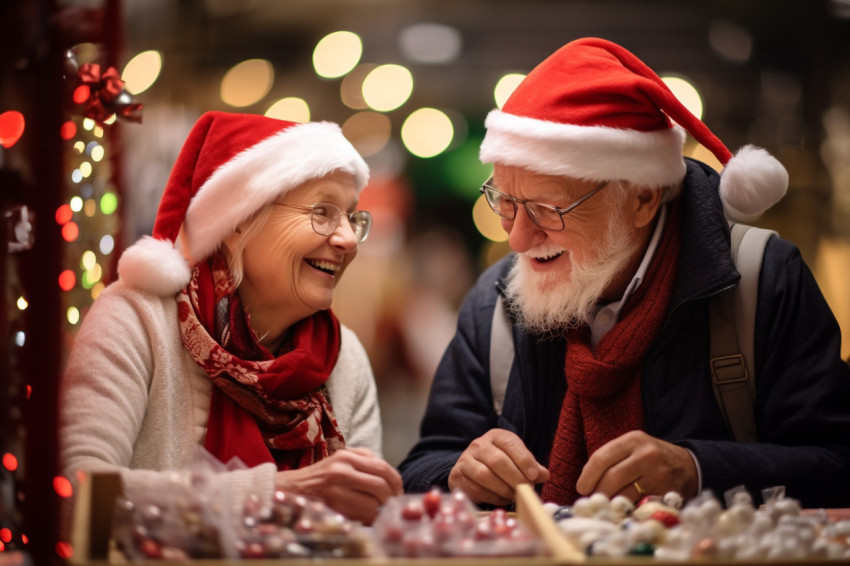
(604,317)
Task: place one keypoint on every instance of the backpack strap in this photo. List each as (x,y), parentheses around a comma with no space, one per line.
(732,316)
(501,354)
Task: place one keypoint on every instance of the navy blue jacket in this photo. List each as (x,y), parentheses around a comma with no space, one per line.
(802,408)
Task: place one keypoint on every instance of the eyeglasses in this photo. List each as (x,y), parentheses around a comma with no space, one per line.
(325,217)
(546,216)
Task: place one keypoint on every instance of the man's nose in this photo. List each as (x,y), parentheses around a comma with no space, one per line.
(523,233)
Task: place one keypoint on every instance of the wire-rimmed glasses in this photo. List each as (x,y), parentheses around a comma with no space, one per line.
(325,217)
(547,216)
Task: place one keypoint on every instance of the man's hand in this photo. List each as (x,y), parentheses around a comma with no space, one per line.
(656,466)
(352,481)
(493,465)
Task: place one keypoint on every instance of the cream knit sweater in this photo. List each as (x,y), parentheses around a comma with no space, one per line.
(135,402)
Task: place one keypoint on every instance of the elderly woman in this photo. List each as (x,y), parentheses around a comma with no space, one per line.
(227,340)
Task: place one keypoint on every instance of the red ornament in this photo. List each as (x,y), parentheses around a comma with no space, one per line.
(666,518)
(432,501)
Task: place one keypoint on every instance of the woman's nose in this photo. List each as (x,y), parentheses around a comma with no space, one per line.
(344,236)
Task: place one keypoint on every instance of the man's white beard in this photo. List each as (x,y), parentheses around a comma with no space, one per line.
(553,303)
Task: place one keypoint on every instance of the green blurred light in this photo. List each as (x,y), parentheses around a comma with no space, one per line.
(86,280)
(464,170)
(109,203)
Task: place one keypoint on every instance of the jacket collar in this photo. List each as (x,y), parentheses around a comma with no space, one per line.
(705,263)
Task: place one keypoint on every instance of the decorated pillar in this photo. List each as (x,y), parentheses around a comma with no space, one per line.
(61,103)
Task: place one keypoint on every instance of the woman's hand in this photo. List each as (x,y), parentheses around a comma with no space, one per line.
(352,481)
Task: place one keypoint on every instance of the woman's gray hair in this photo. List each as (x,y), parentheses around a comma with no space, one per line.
(234,245)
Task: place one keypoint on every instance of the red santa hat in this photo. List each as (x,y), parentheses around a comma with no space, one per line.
(592,110)
(230,166)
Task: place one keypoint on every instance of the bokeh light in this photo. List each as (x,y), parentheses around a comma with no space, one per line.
(430,43)
(291,108)
(246,83)
(488,222)
(10,462)
(505,87)
(108,203)
(67,280)
(686,93)
(88,259)
(387,87)
(64,214)
(22,304)
(91,276)
(97,152)
(64,550)
(81,94)
(73,315)
(141,71)
(368,132)
(70,231)
(351,87)
(12,125)
(68,130)
(106,245)
(427,132)
(62,486)
(701,153)
(96,289)
(731,41)
(336,54)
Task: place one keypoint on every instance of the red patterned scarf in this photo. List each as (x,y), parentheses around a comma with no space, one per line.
(603,398)
(264,408)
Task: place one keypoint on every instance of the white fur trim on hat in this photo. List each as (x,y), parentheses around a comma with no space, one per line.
(752,181)
(261,173)
(599,153)
(154,266)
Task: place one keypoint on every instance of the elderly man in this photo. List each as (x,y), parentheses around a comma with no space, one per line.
(618,245)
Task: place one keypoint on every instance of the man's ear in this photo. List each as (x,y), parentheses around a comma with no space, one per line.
(645,203)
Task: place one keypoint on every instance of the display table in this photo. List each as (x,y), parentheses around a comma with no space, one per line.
(96,495)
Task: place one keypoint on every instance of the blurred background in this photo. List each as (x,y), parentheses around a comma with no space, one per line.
(411,82)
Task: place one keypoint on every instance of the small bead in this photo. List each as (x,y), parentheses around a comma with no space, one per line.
(642,549)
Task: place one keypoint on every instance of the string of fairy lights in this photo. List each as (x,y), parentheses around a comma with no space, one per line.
(88,220)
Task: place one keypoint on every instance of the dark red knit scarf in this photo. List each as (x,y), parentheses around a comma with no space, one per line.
(603,398)
(264,408)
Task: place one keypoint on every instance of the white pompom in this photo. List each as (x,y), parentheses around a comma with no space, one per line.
(752,181)
(154,266)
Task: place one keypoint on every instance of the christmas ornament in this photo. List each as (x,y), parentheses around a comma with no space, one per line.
(103,94)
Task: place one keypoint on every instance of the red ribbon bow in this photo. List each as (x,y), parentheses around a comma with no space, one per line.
(107,95)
